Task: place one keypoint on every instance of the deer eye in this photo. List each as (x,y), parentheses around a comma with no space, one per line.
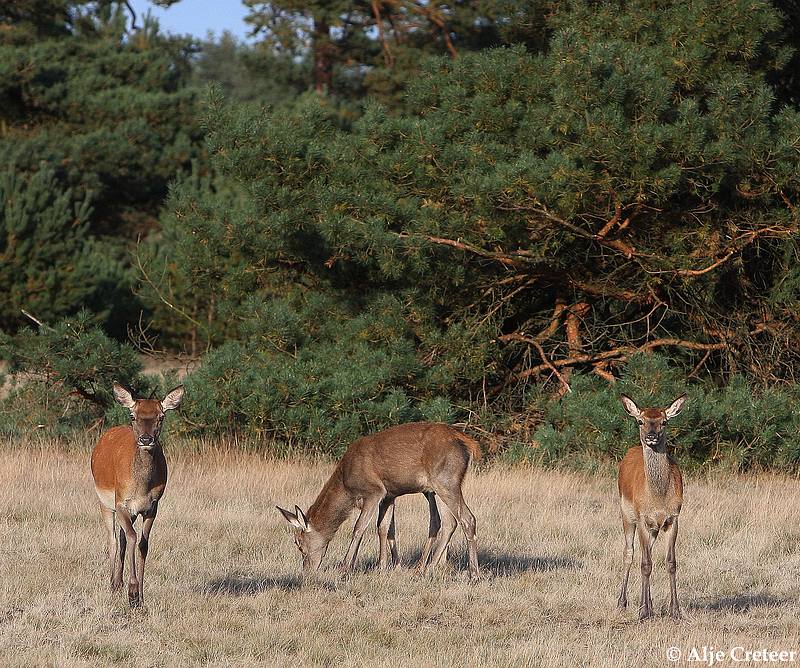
(640,421)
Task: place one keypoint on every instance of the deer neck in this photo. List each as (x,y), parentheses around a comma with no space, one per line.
(146,462)
(331,507)
(657,469)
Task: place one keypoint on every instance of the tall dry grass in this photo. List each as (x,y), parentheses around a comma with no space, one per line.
(222,584)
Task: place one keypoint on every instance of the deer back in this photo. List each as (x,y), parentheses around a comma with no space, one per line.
(405,458)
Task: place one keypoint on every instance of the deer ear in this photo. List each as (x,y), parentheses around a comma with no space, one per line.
(675,407)
(292,518)
(123,396)
(173,399)
(630,406)
(301,516)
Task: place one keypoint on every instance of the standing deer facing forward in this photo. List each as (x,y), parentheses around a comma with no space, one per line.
(650,495)
(422,457)
(130,474)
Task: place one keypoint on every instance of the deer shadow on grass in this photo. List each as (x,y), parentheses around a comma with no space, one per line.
(739,603)
(504,564)
(236,584)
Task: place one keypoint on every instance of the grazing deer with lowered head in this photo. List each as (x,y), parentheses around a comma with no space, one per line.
(650,495)
(422,457)
(130,474)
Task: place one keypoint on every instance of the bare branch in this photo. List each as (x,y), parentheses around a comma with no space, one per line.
(133,15)
(619,353)
(165,301)
(512,259)
(387,52)
(36,320)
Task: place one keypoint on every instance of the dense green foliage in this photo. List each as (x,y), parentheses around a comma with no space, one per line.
(730,427)
(93,126)
(60,377)
(499,213)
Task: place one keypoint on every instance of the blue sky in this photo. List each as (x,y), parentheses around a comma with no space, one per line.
(197,17)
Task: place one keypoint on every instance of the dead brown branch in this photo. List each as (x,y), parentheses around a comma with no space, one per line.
(619,354)
(512,259)
(388,57)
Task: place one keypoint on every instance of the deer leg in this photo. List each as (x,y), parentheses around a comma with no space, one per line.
(672,567)
(368,509)
(119,559)
(627,560)
(111,542)
(448,525)
(646,541)
(392,538)
(126,522)
(433,531)
(455,502)
(141,550)
(385,521)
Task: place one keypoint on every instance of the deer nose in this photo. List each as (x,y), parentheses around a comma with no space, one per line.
(146,440)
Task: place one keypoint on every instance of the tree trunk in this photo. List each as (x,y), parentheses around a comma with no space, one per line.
(323,56)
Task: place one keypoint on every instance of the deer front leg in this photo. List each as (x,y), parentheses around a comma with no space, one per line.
(142,548)
(646,541)
(672,567)
(126,522)
(111,543)
(368,510)
(627,560)
(119,559)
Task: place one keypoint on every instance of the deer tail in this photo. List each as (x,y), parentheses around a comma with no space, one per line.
(472,446)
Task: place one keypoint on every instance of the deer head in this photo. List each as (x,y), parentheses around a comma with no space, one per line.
(653,421)
(311,543)
(147,415)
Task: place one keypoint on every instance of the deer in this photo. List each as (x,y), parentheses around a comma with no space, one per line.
(130,475)
(422,457)
(650,496)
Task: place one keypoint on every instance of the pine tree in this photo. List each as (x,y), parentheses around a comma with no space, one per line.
(633,189)
(102,117)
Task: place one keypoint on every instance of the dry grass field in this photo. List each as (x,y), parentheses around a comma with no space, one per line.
(222,586)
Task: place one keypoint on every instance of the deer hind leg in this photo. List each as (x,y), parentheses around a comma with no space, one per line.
(385,527)
(368,510)
(392,539)
(672,567)
(629,529)
(447,527)
(433,531)
(126,522)
(646,541)
(142,548)
(455,502)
